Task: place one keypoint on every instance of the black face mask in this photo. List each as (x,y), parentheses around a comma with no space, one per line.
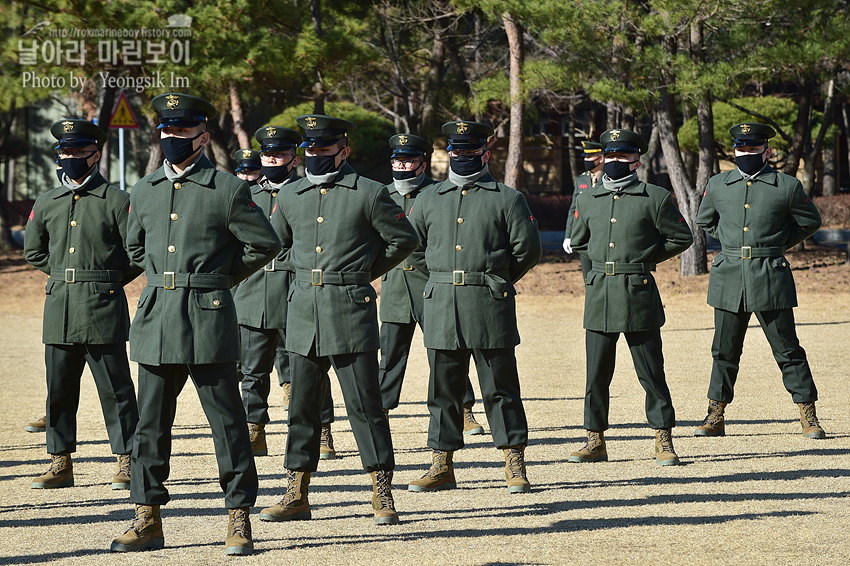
(179,150)
(252,182)
(277,173)
(466,165)
(750,163)
(404,175)
(75,167)
(321,164)
(589,165)
(617,169)
(59,173)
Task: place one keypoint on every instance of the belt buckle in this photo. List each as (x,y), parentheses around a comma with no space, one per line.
(313,278)
(746,252)
(458,277)
(406,266)
(165,283)
(609,268)
(70,275)
(269,266)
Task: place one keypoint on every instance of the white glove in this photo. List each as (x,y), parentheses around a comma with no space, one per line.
(567,247)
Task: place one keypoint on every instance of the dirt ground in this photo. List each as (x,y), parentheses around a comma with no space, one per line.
(763,494)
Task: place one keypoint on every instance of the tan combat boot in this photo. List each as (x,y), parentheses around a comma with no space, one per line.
(515,470)
(326,446)
(39,425)
(287,392)
(382,498)
(121,479)
(59,474)
(593,450)
(809,421)
(257,435)
(294,506)
(470,426)
(239,539)
(441,474)
(145,533)
(664,453)
(713,425)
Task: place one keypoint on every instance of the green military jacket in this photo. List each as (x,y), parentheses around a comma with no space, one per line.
(196,237)
(403,285)
(261,298)
(582,183)
(478,240)
(625,234)
(757,220)
(337,238)
(77,238)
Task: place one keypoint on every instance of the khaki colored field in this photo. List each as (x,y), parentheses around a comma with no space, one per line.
(762,495)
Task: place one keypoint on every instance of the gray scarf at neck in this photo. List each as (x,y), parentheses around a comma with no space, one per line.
(172,175)
(462,181)
(616,186)
(407,186)
(324,179)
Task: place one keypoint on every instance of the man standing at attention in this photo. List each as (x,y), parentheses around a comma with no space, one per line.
(757,213)
(625,227)
(479,238)
(594,159)
(197,232)
(339,231)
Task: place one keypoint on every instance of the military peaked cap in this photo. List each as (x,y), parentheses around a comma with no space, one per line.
(751,134)
(408,145)
(275,138)
(467,135)
(73,133)
(590,149)
(177,110)
(622,141)
(247,160)
(323,131)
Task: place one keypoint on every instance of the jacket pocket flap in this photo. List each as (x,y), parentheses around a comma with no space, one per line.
(779,262)
(718,259)
(639,280)
(214,299)
(591,277)
(362,294)
(429,290)
(105,288)
(48,289)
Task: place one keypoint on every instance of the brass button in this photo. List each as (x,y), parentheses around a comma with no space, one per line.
(172,249)
(111,291)
(174,216)
(319,249)
(323,190)
(367,299)
(613,220)
(73,222)
(505,294)
(783,264)
(76,197)
(747,205)
(611,245)
(216,303)
(71,250)
(320,220)
(458,247)
(616,197)
(460,220)
(644,281)
(464,192)
(270,216)
(274,193)
(177,186)
(749,183)
(746,229)
(424,294)
(406,196)
(138,302)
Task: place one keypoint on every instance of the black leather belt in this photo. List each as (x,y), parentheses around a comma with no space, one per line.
(73,275)
(323,277)
(172,280)
(621,268)
(749,252)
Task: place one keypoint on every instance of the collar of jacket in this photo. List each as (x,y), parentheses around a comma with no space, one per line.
(347,177)
(268,186)
(486,182)
(636,188)
(767,175)
(95,187)
(202,174)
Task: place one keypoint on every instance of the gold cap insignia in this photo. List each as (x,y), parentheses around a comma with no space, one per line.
(67,127)
(615,135)
(311,122)
(462,127)
(246,153)
(402,139)
(745,128)
(173,101)
(271,131)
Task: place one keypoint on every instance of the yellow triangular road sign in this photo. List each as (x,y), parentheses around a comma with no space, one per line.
(122,116)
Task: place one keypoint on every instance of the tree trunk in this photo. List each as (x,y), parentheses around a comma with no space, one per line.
(238,119)
(433,84)
(801,127)
(217,148)
(319,85)
(516,140)
(830,163)
(155,157)
(647,170)
(557,123)
(6,241)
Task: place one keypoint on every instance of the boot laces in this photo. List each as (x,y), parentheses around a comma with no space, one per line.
(438,464)
(239,525)
(292,492)
(327,438)
(665,439)
(142,519)
(383,490)
(516,463)
(468,417)
(809,414)
(124,464)
(57,464)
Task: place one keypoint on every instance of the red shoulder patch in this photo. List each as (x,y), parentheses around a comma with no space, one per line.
(576,213)
(400,216)
(705,192)
(32,213)
(129,208)
(275,208)
(252,205)
(582,186)
(807,198)
(531,218)
(681,219)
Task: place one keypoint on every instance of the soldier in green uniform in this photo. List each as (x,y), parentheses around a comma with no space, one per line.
(757,213)
(197,232)
(340,231)
(261,298)
(625,227)
(478,239)
(594,159)
(402,287)
(76,234)
(248,165)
